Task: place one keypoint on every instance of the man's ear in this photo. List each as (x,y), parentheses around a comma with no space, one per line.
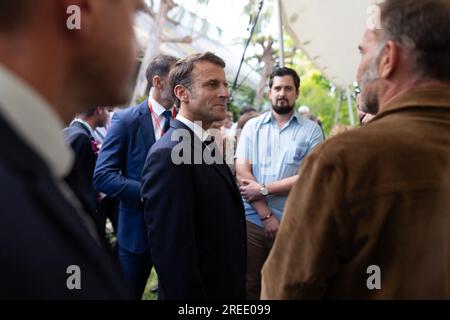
(181,93)
(389,59)
(157,82)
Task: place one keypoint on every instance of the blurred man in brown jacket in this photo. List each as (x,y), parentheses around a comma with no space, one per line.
(369,217)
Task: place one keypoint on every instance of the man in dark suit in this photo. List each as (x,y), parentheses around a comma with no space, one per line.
(118,171)
(49,72)
(193,209)
(79,135)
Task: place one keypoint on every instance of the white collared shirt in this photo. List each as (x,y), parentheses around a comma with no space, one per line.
(196,128)
(158,111)
(34,121)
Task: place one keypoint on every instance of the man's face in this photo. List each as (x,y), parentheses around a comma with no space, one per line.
(368,74)
(283,94)
(105,59)
(103,116)
(167,99)
(208,96)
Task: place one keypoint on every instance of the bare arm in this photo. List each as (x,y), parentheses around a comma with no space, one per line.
(251,189)
(243,174)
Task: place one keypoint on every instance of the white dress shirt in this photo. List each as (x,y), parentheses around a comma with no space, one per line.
(195,127)
(158,111)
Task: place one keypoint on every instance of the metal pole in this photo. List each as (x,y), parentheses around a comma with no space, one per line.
(233,88)
(338,106)
(280,31)
(350,107)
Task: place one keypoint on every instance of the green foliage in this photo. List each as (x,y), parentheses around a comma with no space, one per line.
(151,283)
(243,97)
(316,93)
(141,99)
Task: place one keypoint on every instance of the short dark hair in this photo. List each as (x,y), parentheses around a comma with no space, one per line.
(87,113)
(424,28)
(246,110)
(90,112)
(282,72)
(159,66)
(13,13)
(181,73)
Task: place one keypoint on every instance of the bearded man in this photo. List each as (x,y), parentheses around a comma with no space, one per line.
(369,216)
(269,154)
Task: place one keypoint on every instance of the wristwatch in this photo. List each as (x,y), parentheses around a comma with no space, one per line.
(263,190)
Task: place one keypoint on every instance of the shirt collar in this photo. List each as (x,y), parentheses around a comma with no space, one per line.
(32,118)
(85,124)
(198,130)
(269,116)
(158,109)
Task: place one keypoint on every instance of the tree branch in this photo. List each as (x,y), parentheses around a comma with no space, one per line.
(166,39)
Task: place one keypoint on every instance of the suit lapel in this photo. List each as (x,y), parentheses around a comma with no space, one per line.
(80,125)
(146,125)
(198,147)
(225,171)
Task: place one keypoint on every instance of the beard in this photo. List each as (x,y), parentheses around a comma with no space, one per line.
(167,98)
(370,102)
(282,109)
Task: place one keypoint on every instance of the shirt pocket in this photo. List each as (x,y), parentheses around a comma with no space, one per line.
(297,153)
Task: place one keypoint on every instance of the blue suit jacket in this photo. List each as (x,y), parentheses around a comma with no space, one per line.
(119,168)
(196,222)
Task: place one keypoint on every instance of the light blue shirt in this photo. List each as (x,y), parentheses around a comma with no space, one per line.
(276,154)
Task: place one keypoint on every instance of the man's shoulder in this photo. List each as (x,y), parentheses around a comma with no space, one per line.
(170,140)
(73,133)
(255,123)
(310,124)
(129,113)
(360,144)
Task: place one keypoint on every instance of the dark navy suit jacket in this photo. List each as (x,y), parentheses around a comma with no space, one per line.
(196,222)
(42,235)
(80,179)
(119,168)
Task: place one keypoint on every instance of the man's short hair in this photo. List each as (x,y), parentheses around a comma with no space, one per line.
(181,73)
(422,26)
(160,66)
(13,13)
(246,110)
(90,112)
(282,72)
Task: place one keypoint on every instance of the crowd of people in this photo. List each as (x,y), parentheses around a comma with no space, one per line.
(263,208)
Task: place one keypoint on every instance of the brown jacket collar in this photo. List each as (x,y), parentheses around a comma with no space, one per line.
(433,97)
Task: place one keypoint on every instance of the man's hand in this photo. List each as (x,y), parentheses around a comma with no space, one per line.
(271,226)
(250,190)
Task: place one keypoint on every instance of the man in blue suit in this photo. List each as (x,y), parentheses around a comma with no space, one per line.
(193,208)
(119,167)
